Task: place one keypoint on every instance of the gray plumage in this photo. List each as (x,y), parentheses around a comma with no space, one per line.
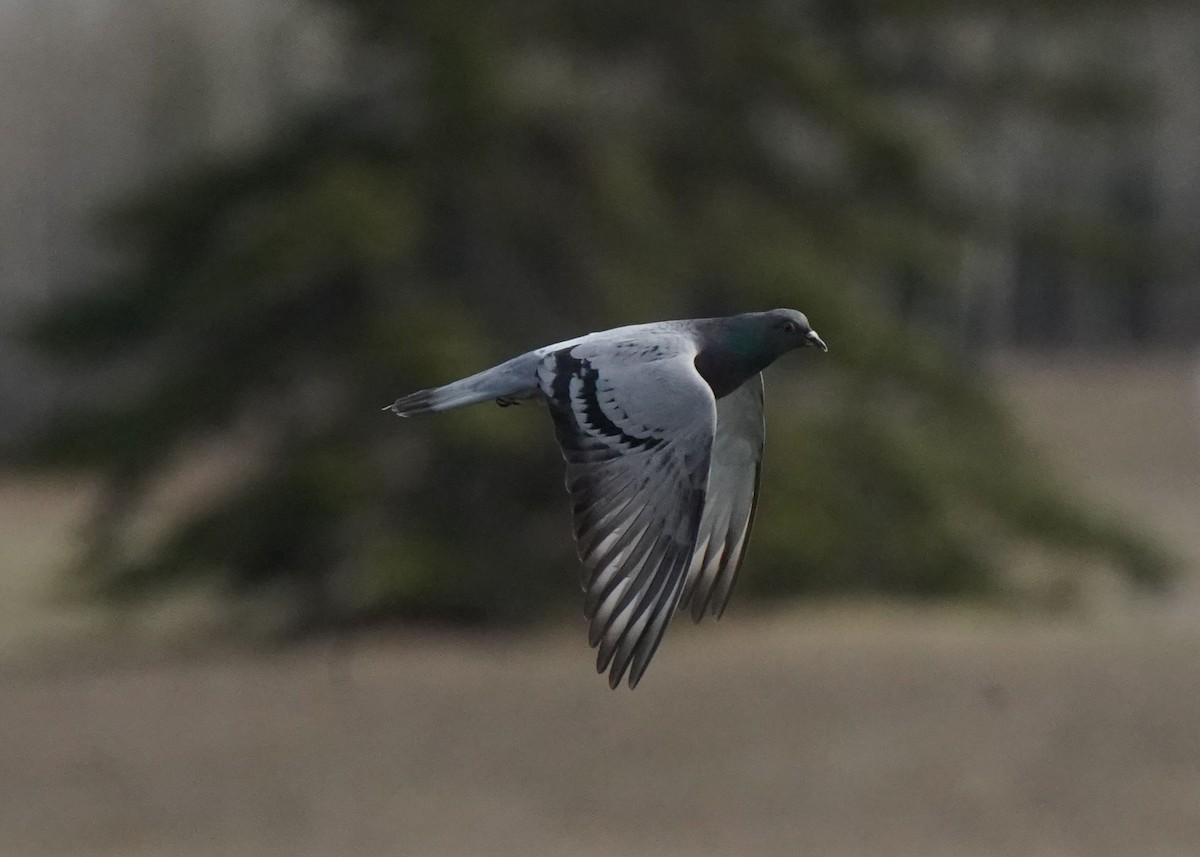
(661,427)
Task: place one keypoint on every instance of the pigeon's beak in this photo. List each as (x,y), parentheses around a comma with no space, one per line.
(812,339)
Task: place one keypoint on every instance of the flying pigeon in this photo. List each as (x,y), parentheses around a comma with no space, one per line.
(661,426)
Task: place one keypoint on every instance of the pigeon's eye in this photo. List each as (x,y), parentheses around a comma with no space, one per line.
(790,327)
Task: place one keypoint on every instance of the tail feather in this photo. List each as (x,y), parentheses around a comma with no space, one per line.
(513,379)
(420,402)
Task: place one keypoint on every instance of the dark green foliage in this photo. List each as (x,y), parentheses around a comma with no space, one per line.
(506,174)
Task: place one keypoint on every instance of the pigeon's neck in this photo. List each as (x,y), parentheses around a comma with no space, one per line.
(730,362)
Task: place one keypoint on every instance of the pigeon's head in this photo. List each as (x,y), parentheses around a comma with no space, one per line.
(788,328)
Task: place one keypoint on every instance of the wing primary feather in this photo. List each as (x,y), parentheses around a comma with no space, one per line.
(716,555)
(650,577)
(590,523)
(600,625)
(733,485)
(653,635)
(633,526)
(618,599)
(657,596)
(725,584)
(616,568)
(617,479)
(706,571)
(697,566)
(589,534)
(639,641)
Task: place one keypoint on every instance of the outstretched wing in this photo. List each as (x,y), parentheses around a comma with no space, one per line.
(732,497)
(635,422)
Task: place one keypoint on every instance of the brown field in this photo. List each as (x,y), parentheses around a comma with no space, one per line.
(842,734)
(838,731)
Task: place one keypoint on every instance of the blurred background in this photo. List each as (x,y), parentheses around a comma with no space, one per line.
(244,612)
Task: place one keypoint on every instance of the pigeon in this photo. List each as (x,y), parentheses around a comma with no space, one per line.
(661,427)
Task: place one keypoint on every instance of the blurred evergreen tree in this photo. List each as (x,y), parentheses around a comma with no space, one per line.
(504,174)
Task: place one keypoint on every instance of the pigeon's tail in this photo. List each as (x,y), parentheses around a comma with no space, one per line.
(513,379)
